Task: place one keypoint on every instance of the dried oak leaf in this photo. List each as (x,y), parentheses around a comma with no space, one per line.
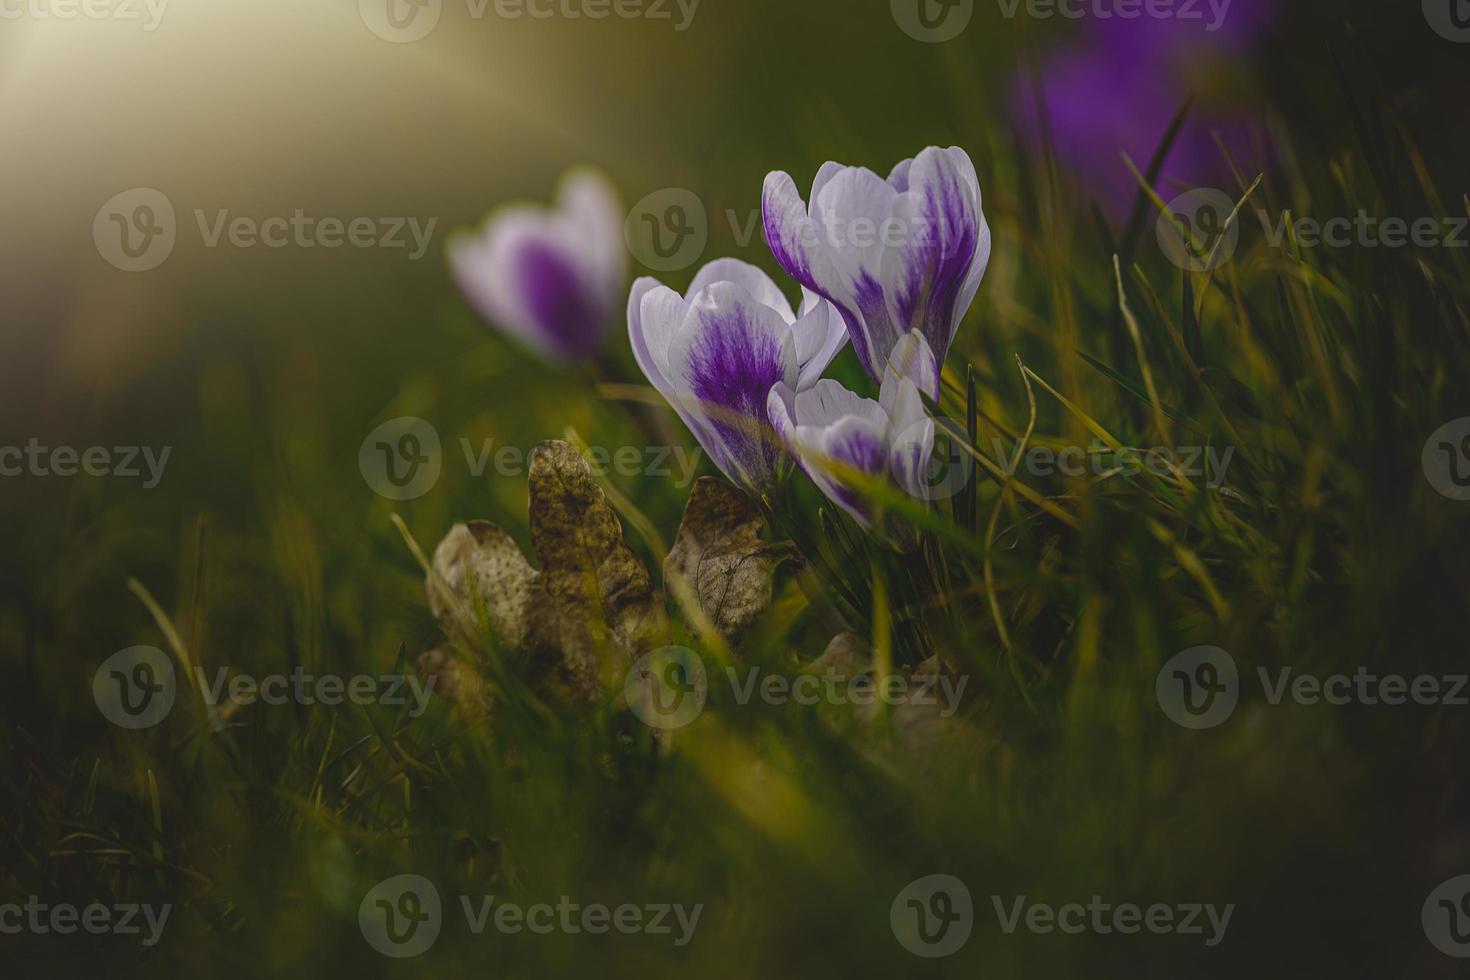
(588,610)
(719,551)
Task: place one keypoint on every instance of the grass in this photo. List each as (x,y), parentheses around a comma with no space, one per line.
(1324,550)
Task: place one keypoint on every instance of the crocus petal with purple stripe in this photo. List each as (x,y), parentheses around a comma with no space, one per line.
(726,357)
(715,356)
(895,255)
(833,432)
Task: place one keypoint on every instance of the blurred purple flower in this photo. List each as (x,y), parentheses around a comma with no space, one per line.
(550,278)
(895,255)
(1116,89)
(715,353)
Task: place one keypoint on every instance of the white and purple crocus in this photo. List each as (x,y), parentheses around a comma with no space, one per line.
(841,439)
(716,352)
(551,278)
(893,264)
(895,256)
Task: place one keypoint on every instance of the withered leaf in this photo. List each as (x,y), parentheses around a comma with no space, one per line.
(482,553)
(588,610)
(719,551)
(585,565)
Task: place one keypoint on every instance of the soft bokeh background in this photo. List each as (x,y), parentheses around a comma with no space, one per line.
(264,369)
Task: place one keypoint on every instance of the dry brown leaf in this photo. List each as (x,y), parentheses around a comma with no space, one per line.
(482,553)
(589,609)
(720,552)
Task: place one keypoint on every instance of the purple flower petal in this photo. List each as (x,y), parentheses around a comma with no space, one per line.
(724,361)
(891,255)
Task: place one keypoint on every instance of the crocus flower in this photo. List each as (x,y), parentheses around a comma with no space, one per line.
(895,255)
(835,434)
(550,278)
(716,351)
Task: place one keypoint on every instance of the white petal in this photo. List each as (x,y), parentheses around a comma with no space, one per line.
(655,313)
(820,333)
(750,278)
(911,359)
(828,401)
(592,217)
